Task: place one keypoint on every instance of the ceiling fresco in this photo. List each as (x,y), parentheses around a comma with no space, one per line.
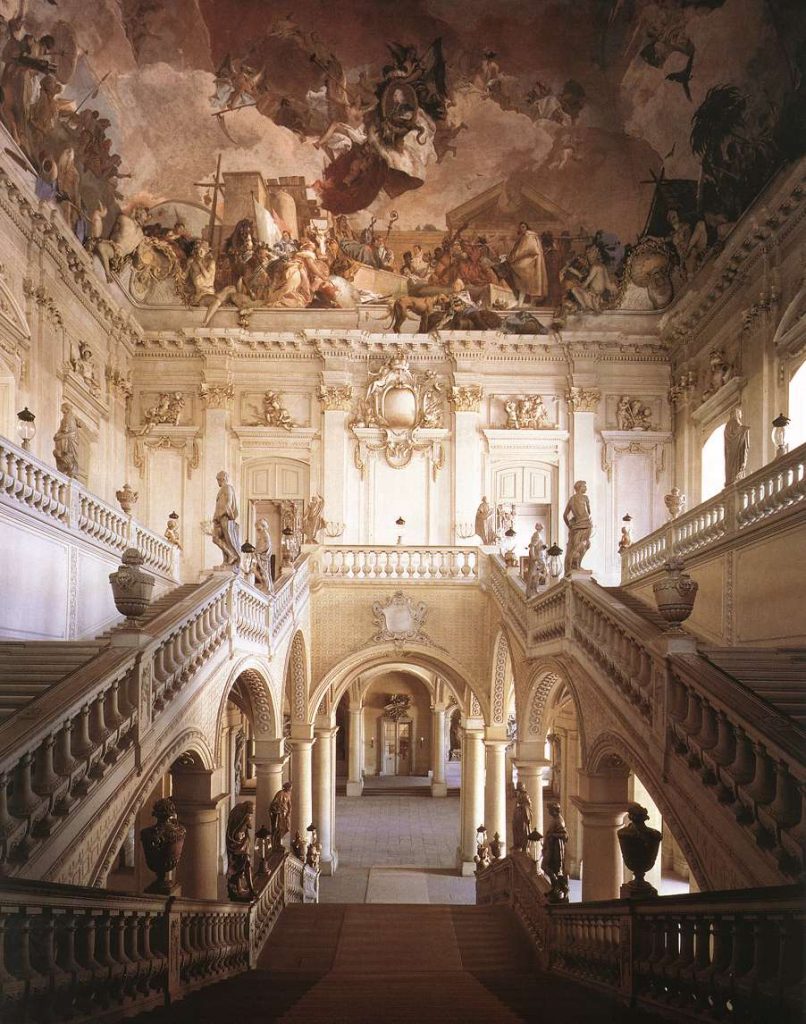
(574,156)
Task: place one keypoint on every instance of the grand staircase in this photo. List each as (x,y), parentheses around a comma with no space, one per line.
(395,963)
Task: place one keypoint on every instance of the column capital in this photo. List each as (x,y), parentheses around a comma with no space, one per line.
(266,761)
(325,732)
(496,743)
(299,744)
(527,764)
(600,814)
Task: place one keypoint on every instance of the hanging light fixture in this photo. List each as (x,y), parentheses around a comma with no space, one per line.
(555,560)
(26,427)
(247,558)
(400,524)
(779,425)
(509,547)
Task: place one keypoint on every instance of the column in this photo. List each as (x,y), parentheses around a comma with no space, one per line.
(495,792)
(439,786)
(602,804)
(197,810)
(269,760)
(302,793)
(472,803)
(530,773)
(323,771)
(468,484)
(336,396)
(333,847)
(355,750)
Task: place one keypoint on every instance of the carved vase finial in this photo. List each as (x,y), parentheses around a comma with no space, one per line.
(639,849)
(131,585)
(675,594)
(162,846)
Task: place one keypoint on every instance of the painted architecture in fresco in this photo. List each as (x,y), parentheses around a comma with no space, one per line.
(570,158)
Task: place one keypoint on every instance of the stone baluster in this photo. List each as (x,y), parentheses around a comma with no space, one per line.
(45,782)
(24,801)
(786,807)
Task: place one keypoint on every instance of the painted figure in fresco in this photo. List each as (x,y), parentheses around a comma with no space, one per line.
(226,533)
(577,517)
(527,265)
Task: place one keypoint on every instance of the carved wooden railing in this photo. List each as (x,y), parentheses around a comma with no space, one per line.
(75,953)
(711,955)
(32,486)
(409,564)
(761,498)
(58,750)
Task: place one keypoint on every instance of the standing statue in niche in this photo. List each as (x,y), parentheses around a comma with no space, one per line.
(65,442)
(485,522)
(239,852)
(226,533)
(552,860)
(537,571)
(263,556)
(522,832)
(737,447)
(280,815)
(313,520)
(577,517)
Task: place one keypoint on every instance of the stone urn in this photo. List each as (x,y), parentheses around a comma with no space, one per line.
(162,846)
(639,850)
(675,502)
(675,593)
(127,498)
(131,585)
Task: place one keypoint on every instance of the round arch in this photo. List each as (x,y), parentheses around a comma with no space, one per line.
(501,680)
(386,654)
(295,680)
(262,704)
(549,678)
(609,744)
(190,741)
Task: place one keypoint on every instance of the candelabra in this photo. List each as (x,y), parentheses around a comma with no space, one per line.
(334,529)
(465,530)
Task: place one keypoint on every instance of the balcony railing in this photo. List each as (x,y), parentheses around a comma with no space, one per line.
(75,953)
(36,488)
(409,564)
(707,956)
(764,496)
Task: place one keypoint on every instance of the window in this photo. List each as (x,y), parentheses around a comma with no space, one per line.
(712,480)
(796,432)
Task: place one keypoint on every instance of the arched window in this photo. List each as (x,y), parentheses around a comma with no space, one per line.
(796,432)
(712,479)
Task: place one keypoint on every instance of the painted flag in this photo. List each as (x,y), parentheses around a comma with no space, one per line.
(265,225)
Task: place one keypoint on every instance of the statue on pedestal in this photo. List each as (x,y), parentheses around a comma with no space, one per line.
(280,815)
(65,442)
(737,447)
(485,524)
(522,832)
(552,859)
(298,846)
(226,533)
(263,555)
(313,521)
(162,846)
(537,573)
(577,517)
(239,852)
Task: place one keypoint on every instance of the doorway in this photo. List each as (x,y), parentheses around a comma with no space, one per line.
(396,745)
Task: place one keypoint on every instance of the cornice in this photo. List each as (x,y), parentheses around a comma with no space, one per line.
(777,212)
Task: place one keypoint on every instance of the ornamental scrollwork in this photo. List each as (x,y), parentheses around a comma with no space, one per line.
(583,399)
(336,397)
(466,397)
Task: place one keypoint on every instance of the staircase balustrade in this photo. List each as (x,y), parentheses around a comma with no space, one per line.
(78,953)
(410,564)
(735,955)
(30,485)
(763,497)
(57,751)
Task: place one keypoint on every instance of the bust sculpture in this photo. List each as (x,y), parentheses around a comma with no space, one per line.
(577,517)
(226,533)
(737,447)
(239,852)
(162,845)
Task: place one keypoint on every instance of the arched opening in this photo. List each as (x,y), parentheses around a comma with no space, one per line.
(796,431)
(712,464)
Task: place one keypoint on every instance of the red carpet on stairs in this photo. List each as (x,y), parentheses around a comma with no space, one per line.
(395,964)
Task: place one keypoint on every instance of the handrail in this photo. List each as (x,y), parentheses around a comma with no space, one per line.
(735,954)
(763,497)
(68,951)
(407,563)
(28,484)
(56,751)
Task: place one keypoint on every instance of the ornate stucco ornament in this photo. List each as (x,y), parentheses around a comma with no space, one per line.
(583,399)
(336,397)
(399,404)
(400,620)
(467,397)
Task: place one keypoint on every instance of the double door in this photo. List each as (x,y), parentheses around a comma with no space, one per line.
(396,746)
